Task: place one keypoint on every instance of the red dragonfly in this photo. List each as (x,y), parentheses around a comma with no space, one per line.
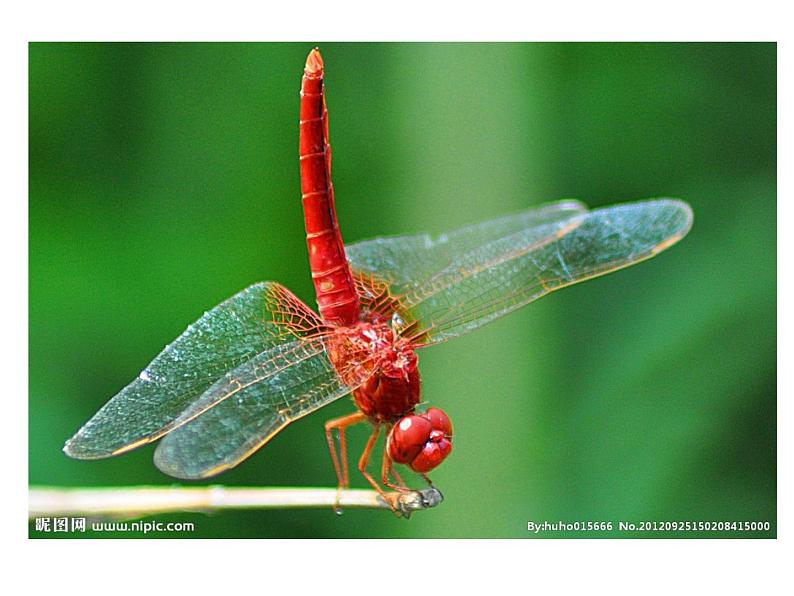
(263,358)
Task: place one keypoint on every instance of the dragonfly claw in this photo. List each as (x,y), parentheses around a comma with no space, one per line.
(405,503)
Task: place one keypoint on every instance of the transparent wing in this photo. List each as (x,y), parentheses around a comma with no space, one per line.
(485,281)
(237,331)
(407,262)
(248,406)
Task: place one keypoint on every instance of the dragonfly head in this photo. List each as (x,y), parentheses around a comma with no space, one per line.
(421,441)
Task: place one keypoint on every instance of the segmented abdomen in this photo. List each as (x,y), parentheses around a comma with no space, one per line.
(333,283)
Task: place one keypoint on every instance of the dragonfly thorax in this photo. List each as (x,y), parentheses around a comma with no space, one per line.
(389,362)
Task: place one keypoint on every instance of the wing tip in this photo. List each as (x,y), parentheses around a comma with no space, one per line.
(676,214)
(79,447)
(679,207)
(688,218)
(166,464)
(76,449)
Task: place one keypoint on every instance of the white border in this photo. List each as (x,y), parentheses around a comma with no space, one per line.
(277,567)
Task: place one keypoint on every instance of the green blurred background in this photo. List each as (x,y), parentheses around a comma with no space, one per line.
(164,178)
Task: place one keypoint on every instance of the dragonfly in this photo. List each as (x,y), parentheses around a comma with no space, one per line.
(263,359)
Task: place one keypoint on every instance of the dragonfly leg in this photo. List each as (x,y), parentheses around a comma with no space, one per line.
(387,467)
(340,461)
(393,499)
(390,498)
(397,476)
(364,460)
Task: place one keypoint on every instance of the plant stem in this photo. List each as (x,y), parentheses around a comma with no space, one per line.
(140,501)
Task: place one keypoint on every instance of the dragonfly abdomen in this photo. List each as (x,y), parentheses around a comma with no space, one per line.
(336,293)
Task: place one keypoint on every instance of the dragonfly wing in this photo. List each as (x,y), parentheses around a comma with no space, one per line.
(496,277)
(236,331)
(407,262)
(248,406)
(511,272)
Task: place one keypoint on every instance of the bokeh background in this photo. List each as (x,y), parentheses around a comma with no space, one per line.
(164,178)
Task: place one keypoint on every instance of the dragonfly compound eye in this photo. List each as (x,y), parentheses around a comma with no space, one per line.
(421,441)
(408,437)
(439,419)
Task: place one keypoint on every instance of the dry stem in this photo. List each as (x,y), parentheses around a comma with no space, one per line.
(140,501)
